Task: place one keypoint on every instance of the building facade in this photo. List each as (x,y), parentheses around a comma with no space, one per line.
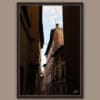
(56,41)
(48,73)
(59,72)
(31,42)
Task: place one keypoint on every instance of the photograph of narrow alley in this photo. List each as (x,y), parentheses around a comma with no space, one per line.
(49,50)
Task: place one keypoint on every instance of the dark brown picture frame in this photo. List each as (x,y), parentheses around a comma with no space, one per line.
(76,41)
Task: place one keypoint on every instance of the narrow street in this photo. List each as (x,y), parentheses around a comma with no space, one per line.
(49,48)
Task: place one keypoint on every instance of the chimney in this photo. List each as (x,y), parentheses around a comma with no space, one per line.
(57,25)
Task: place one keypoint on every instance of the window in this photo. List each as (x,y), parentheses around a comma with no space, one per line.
(56,73)
(62,57)
(63,72)
(56,61)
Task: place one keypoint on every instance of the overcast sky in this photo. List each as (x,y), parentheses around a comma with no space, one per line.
(51,16)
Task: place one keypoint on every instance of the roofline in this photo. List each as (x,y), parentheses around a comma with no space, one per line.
(50,41)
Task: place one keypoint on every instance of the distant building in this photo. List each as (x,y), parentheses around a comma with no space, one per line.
(31,41)
(56,40)
(59,72)
(49,66)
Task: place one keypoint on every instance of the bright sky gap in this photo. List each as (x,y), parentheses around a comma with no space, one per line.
(51,16)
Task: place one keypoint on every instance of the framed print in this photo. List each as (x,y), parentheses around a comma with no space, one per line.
(49,50)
